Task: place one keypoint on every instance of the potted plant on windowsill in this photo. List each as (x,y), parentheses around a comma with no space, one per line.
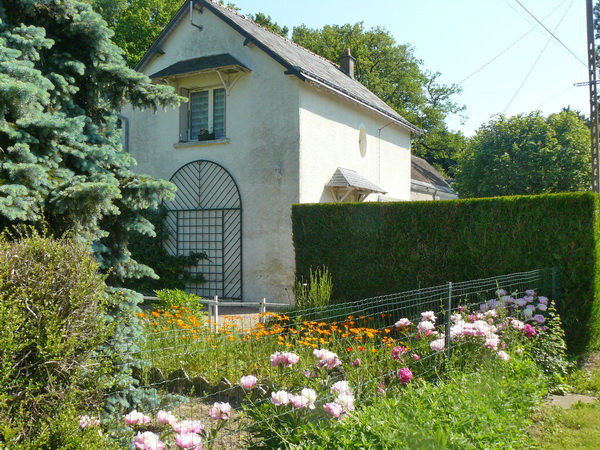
(205,135)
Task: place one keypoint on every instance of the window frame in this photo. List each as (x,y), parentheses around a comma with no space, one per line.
(211,115)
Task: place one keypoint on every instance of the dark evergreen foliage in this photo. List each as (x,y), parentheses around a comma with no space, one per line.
(62,82)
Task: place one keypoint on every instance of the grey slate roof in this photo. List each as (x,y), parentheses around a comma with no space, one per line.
(199,64)
(296,59)
(424,172)
(349,178)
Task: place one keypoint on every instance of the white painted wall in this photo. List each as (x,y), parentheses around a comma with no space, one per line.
(329,138)
(262,129)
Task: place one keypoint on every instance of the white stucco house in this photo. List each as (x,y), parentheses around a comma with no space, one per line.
(268,124)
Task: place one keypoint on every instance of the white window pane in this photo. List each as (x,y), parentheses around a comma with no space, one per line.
(198,113)
(219,112)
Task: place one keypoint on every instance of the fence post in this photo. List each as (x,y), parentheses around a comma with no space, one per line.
(554,276)
(448,313)
(262,309)
(216,312)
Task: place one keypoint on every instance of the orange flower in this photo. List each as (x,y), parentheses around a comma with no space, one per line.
(361,348)
(350,349)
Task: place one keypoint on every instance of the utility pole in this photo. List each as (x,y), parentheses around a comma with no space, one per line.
(593,97)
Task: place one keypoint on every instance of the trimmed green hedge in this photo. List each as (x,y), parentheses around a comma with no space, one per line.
(380,248)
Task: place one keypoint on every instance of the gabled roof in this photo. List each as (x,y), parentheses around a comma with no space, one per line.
(298,61)
(423,172)
(346,178)
(224,61)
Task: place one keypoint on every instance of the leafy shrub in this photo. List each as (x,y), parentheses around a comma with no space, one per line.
(375,249)
(486,409)
(169,298)
(316,293)
(52,317)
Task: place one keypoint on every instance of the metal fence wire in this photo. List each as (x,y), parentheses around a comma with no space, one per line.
(170,364)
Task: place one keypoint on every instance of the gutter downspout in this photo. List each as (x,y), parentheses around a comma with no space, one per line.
(125,126)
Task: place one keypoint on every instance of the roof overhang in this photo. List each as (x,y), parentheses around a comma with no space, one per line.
(315,80)
(428,188)
(223,63)
(345,182)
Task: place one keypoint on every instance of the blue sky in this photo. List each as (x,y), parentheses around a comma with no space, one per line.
(458,37)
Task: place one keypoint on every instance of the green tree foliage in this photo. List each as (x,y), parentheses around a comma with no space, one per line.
(62,81)
(392,72)
(526,154)
(137,23)
(267,22)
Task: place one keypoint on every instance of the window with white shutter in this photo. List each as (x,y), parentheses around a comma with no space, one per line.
(203,117)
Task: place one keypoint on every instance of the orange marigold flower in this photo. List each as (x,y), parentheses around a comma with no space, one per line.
(155,314)
(361,348)
(349,349)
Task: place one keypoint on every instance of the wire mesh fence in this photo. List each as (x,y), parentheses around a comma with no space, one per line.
(192,370)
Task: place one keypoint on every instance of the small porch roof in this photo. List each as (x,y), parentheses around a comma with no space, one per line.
(223,63)
(345,181)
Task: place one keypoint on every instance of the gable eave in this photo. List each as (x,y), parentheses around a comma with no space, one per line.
(177,18)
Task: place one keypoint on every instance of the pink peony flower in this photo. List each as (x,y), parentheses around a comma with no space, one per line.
(404,375)
(503,355)
(345,400)
(404,322)
(492,343)
(429,316)
(326,359)
(340,386)
(148,441)
(530,292)
(543,300)
(425,326)
(334,409)
(88,421)
(280,398)
(298,401)
(189,440)
(187,426)
(397,352)
(355,363)
(165,417)
(220,411)
(542,307)
(311,395)
(438,345)
(284,359)
(529,330)
(248,382)
(136,418)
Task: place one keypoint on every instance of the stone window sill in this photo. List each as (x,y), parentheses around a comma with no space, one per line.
(201,143)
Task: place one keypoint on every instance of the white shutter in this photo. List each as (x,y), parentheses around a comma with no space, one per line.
(184,125)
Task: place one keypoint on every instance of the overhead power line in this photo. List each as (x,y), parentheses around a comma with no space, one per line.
(475,72)
(538,57)
(551,33)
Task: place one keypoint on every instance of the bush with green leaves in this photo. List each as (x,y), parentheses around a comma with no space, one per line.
(314,293)
(53,321)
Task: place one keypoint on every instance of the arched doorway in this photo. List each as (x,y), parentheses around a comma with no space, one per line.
(206,217)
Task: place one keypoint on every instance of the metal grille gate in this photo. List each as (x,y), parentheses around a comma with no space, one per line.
(206,216)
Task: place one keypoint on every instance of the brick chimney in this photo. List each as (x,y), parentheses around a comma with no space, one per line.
(347,63)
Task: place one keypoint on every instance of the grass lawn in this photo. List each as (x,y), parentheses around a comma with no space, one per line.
(578,427)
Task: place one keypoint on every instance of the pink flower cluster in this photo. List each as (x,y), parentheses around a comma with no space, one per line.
(284,359)
(136,418)
(326,359)
(344,402)
(248,382)
(404,375)
(306,398)
(88,421)
(220,411)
